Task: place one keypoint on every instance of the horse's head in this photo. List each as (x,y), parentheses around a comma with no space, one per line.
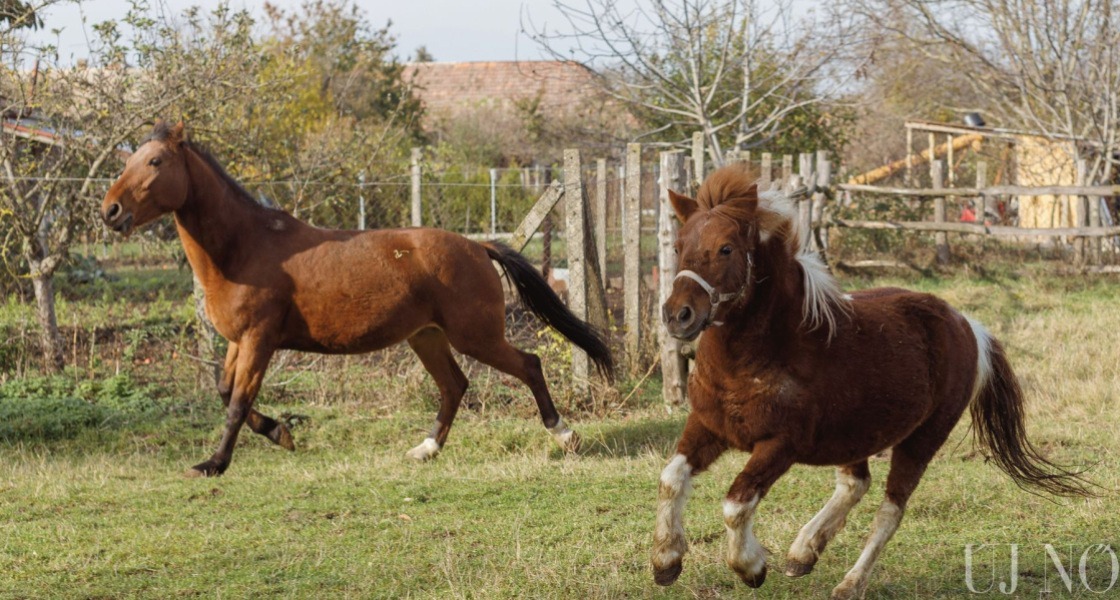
(154,181)
(721,232)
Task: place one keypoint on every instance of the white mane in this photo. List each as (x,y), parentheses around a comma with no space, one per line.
(823,297)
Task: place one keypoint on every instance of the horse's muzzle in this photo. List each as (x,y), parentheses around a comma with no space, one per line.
(117,218)
(684,323)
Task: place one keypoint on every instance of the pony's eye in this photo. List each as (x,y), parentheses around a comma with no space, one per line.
(725,250)
(154,162)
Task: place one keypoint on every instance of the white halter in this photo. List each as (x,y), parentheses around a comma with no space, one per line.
(715,297)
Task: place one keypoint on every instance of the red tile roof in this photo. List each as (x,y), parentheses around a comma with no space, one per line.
(450,88)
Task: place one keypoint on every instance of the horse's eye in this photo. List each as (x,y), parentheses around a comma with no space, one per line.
(154,162)
(676,250)
(725,250)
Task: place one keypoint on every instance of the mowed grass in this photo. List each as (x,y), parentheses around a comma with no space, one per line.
(502,513)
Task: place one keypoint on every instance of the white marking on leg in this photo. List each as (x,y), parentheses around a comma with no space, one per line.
(426,450)
(669,543)
(882,528)
(830,520)
(744,554)
(564,436)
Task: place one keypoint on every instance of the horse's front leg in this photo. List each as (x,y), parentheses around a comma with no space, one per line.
(251,360)
(696,450)
(275,431)
(769,460)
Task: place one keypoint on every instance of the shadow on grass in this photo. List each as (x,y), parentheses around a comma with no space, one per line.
(633,438)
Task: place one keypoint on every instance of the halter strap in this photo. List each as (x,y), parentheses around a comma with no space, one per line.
(715,297)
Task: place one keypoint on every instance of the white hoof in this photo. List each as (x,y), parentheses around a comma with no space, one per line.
(427,450)
(568,439)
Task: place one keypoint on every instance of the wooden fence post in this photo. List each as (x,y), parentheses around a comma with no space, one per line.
(584,286)
(1095,220)
(674,367)
(631,250)
(941,238)
(1083,247)
(767,174)
(805,169)
(824,180)
(910,157)
(698,173)
(787,169)
(599,219)
(981,183)
(417,207)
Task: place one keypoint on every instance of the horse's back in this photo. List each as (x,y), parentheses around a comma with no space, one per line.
(902,358)
(360,291)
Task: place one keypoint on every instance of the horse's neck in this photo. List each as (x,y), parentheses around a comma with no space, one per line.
(771,318)
(211,223)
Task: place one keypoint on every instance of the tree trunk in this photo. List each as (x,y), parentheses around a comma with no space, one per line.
(50,340)
(208,340)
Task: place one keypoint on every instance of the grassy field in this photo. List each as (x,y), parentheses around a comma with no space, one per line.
(93,504)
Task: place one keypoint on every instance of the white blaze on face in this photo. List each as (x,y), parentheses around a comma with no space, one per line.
(668,537)
(744,554)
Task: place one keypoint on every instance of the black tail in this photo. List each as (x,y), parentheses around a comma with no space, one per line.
(997,416)
(538,297)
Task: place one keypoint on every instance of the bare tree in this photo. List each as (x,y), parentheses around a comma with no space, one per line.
(66,128)
(734,69)
(1051,66)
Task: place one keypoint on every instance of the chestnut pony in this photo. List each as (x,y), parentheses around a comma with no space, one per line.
(794,371)
(273,282)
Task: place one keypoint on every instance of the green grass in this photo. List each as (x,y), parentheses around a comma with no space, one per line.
(104,512)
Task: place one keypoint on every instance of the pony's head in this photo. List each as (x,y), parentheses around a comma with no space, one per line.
(154,181)
(732,237)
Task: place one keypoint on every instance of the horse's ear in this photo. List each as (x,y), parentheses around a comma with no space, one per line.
(682,205)
(177,134)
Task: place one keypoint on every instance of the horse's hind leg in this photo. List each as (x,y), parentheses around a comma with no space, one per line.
(908,463)
(500,354)
(435,353)
(852,482)
(270,428)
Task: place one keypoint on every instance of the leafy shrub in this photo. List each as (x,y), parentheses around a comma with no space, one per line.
(58,407)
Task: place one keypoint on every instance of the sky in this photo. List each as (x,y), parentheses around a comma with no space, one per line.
(452,30)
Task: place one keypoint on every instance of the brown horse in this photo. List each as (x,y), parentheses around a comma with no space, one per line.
(273,282)
(794,371)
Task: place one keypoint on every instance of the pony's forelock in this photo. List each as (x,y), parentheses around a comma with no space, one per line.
(730,191)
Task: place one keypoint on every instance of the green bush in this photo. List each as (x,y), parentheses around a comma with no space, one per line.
(57,407)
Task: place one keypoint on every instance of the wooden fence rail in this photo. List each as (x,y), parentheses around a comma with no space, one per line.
(998,190)
(976,228)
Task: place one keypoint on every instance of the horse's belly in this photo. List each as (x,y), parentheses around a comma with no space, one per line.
(352,331)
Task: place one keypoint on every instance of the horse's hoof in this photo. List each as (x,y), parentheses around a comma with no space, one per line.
(668,575)
(204,469)
(756,580)
(427,450)
(569,441)
(796,568)
(283,438)
(846,591)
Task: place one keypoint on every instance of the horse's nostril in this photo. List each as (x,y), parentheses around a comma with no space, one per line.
(112,212)
(685,315)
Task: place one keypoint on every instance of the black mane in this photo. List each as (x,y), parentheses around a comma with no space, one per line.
(162,131)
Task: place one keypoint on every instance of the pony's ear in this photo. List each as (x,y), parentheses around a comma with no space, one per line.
(177,134)
(682,205)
